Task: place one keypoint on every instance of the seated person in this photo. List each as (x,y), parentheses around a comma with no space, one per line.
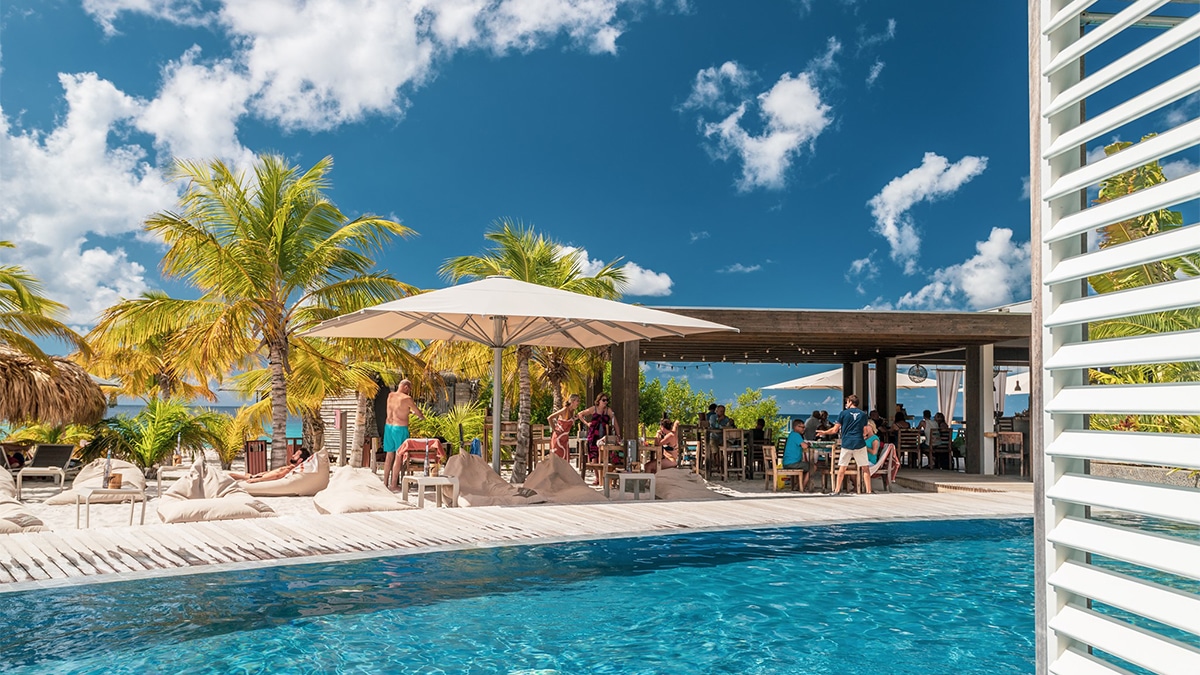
(878,452)
(294,464)
(901,421)
(717,423)
(668,445)
(759,433)
(824,424)
(794,451)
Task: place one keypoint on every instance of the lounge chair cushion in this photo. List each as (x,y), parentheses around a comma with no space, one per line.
(554,479)
(308,481)
(14,517)
(92,476)
(356,490)
(681,484)
(480,486)
(207,494)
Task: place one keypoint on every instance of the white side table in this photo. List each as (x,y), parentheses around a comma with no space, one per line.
(435,482)
(624,478)
(166,472)
(131,493)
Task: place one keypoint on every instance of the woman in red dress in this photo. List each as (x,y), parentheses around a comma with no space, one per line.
(561,422)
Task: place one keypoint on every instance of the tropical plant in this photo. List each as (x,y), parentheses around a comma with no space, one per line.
(752,406)
(60,434)
(1144,274)
(26,312)
(520,253)
(445,425)
(154,433)
(230,433)
(682,404)
(270,255)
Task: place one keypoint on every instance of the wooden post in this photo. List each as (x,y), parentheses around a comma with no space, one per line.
(885,386)
(980,413)
(625,401)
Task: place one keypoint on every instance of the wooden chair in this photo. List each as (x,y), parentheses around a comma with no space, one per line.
(890,464)
(1004,424)
(908,446)
(416,454)
(1010,445)
(773,468)
(758,450)
(256,456)
(508,439)
(689,446)
(732,454)
(539,444)
(939,444)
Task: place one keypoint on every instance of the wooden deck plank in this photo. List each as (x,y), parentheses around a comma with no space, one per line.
(64,557)
(21,557)
(188,544)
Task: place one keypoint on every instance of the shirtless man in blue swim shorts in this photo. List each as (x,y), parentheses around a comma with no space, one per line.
(400,405)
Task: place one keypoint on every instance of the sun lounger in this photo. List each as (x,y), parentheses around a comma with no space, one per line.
(14,517)
(356,490)
(92,476)
(48,460)
(311,478)
(207,494)
(680,484)
(479,485)
(555,479)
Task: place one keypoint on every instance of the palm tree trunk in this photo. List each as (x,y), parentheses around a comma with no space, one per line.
(524,410)
(313,431)
(360,428)
(276,353)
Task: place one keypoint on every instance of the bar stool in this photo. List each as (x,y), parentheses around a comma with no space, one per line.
(1010,445)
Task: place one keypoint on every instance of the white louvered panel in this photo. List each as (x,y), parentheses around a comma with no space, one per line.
(1180,138)
(1157,501)
(1130,62)
(1177,347)
(1154,601)
(1068,14)
(1137,252)
(1097,36)
(1135,645)
(1164,94)
(1075,662)
(1158,298)
(1160,196)
(1148,549)
(1174,450)
(1165,398)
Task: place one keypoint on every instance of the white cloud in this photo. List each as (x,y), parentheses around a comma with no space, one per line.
(876,70)
(876,39)
(997,274)
(861,271)
(739,268)
(1025,188)
(793,115)
(182,12)
(824,62)
(712,85)
(697,236)
(638,280)
(934,179)
(526,24)
(1183,111)
(110,192)
(1178,168)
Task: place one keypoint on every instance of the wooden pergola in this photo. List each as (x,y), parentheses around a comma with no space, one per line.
(854,338)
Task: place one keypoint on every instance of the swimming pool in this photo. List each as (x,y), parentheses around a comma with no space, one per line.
(915,597)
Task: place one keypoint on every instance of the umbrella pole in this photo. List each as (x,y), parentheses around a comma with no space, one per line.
(497,355)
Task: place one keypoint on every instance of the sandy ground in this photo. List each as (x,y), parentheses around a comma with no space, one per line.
(62,517)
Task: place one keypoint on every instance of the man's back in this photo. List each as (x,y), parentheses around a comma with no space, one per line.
(399,407)
(852,421)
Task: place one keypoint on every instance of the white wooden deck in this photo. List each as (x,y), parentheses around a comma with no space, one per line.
(119,553)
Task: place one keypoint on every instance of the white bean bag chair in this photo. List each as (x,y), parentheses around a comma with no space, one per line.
(311,477)
(356,490)
(554,479)
(92,476)
(478,485)
(681,484)
(208,494)
(14,517)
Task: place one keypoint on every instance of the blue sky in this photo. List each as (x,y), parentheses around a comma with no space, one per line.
(823,154)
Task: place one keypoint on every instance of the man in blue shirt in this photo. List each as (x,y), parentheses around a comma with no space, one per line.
(793,453)
(850,423)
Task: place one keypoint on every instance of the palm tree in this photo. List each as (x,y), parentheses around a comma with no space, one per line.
(155,432)
(266,253)
(519,253)
(25,311)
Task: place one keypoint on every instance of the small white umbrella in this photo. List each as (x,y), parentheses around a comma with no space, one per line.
(832,379)
(502,312)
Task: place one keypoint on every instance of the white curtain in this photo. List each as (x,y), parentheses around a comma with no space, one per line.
(947,391)
(999,386)
(870,402)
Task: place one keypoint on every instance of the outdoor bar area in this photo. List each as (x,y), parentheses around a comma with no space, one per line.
(978,342)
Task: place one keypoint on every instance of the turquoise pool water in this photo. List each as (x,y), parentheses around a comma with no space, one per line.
(923,597)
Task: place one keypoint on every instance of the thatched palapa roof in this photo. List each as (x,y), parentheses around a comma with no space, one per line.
(32,391)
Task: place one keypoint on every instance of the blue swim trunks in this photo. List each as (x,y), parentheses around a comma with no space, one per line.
(394,436)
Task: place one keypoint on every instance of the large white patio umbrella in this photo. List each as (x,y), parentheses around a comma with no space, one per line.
(832,379)
(502,312)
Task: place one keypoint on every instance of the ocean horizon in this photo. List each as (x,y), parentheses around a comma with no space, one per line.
(294,425)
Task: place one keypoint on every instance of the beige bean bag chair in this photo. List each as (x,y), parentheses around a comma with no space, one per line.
(14,517)
(480,486)
(208,494)
(681,484)
(311,477)
(92,475)
(554,479)
(356,490)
